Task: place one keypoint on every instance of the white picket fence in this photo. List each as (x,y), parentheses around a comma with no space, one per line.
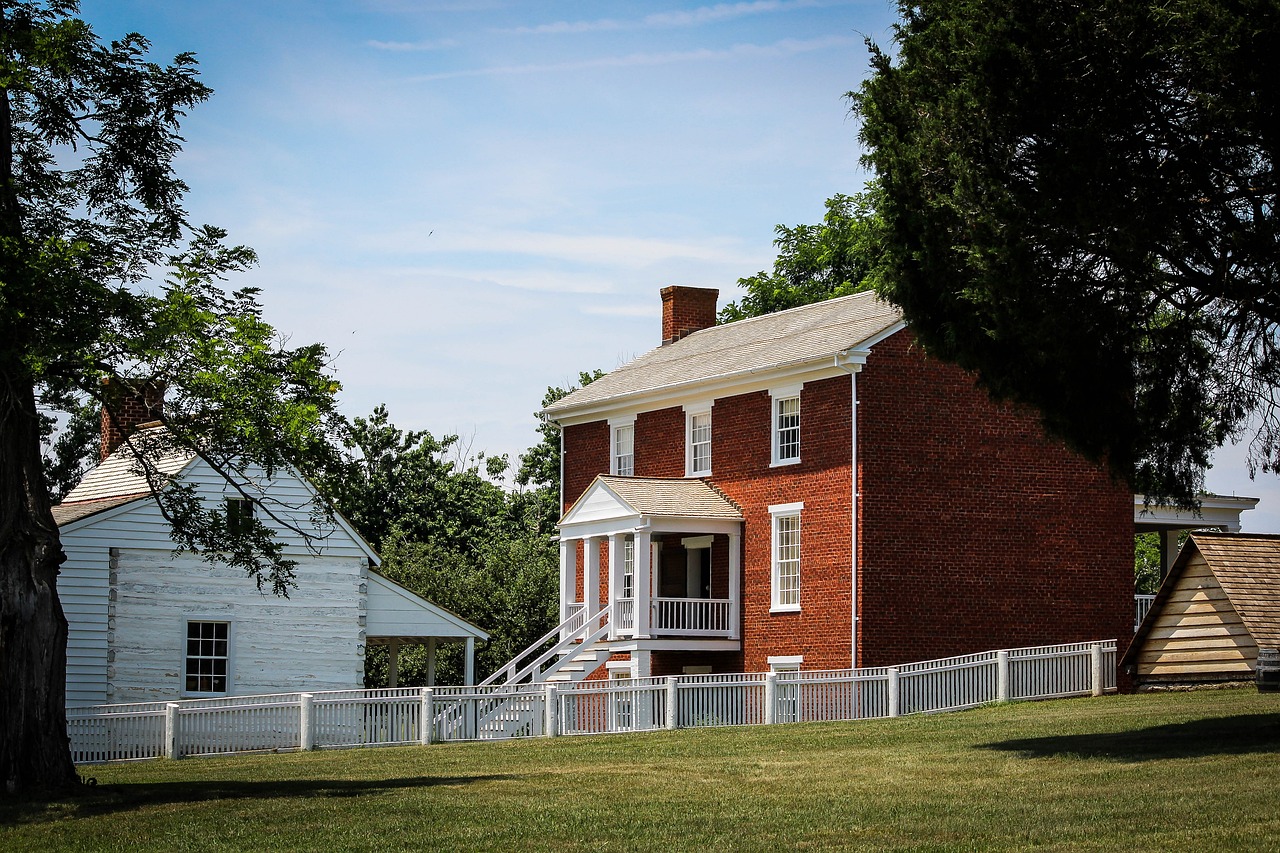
(424,715)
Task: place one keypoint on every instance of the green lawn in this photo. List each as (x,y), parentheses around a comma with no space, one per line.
(1190,771)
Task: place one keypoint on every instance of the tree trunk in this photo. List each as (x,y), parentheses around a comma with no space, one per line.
(34,751)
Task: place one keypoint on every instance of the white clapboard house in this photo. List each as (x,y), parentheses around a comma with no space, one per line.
(148,624)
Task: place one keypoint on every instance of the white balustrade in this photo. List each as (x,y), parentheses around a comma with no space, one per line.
(691,617)
(1141,607)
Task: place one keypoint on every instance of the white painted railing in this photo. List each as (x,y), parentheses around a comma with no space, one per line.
(691,617)
(625,609)
(426,715)
(1141,607)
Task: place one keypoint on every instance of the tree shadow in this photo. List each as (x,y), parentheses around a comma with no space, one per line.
(93,800)
(1238,735)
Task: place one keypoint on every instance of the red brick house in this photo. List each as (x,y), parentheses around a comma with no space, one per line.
(808,489)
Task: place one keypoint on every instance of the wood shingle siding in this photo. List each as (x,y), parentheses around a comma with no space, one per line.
(1220,602)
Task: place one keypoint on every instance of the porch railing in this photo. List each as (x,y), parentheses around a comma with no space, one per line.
(427,715)
(1141,607)
(691,617)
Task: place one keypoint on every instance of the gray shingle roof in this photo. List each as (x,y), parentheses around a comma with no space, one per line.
(118,474)
(794,336)
(667,497)
(66,513)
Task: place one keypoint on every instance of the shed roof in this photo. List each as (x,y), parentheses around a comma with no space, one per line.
(1246,566)
(794,336)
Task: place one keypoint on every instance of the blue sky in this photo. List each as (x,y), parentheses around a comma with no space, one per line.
(470,200)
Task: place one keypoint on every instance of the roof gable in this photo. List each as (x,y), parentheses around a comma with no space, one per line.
(773,342)
(1246,567)
(119,474)
(614,503)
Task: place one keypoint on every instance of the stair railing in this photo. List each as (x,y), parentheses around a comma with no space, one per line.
(583,631)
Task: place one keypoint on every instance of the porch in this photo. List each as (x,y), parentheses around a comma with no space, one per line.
(663,557)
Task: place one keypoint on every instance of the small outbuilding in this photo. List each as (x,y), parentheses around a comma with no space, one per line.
(1218,604)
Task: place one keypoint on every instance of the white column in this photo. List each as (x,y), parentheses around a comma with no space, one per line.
(469,675)
(735,586)
(568,575)
(644,584)
(307,721)
(393,663)
(431,661)
(1168,550)
(615,578)
(591,575)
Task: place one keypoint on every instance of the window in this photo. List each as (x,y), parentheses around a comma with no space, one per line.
(208,657)
(622,458)
(786,556)
(628,568)
(786,430)
(698,443)
(239,516)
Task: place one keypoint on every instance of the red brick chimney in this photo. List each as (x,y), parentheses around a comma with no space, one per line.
(127,406)
(686,310)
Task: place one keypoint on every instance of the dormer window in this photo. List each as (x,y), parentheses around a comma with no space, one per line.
(622,445)
(698,441)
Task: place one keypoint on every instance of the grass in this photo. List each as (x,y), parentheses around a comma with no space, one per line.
(1190,771)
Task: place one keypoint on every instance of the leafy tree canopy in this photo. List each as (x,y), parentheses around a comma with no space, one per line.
(816,262)
(540,464)
(103,278)
(1079,205)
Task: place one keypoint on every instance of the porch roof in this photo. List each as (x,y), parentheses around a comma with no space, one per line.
(612,502)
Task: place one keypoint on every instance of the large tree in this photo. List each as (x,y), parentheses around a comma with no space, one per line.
(90,216)
(1079,205)
(816,262)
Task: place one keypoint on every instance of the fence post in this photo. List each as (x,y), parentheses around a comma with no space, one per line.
(673,702)
(771,698)
(1002,675)
(553,711)
(893,691)
(306,721)
(1095,652)
(171,730)
(425,723)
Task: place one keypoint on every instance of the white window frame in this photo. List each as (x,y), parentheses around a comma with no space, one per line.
(779,397)
(690,414)
(615,466)
(629,567)
(229,658)
(777,513)
(785,663)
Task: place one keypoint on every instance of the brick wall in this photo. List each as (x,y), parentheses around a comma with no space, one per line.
(976,531)
(686,310)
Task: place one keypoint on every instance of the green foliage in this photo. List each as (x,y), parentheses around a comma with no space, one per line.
(540,464)
(817,262)
(1079,205)
(1146,563)
(508,587)
(90,210)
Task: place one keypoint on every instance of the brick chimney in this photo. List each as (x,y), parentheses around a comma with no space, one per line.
(686,310)
(126,407)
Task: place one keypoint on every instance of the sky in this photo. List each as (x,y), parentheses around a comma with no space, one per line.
(469,201)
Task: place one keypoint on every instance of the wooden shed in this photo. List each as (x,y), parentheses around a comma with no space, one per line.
(1218,604)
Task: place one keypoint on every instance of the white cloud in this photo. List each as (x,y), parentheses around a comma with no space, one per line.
(411,46)
(682,18)
(786,47)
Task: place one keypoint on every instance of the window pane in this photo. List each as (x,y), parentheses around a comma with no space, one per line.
(208,659)
(786,556)
(788,436)
(624,450)
(700,442)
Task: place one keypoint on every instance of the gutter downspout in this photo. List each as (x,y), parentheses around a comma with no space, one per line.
(852,361)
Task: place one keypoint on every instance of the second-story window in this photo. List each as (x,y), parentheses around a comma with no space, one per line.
(786,430)
(629,568)
(698,443)
(239,516)
(623,456)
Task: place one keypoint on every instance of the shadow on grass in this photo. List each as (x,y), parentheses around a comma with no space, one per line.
(106,799)
(1239,735)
